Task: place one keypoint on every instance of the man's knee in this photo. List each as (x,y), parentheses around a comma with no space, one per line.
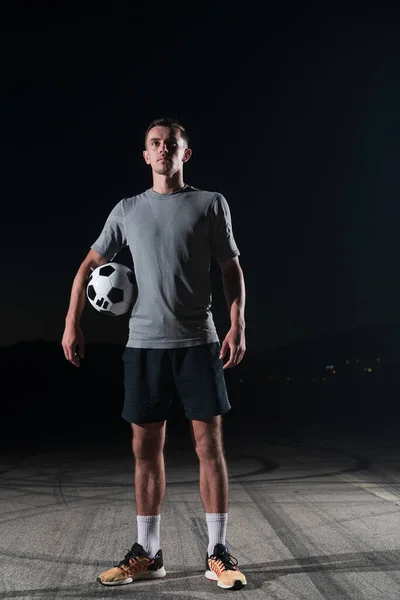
(207,437)
(207,450)
(148,440)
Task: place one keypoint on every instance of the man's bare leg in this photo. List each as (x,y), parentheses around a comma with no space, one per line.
(148,450)
(207,439)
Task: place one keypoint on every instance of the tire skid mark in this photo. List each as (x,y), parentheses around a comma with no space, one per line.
(295,540)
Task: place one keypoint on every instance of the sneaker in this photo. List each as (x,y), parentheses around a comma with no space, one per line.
(222,567)
(135,565)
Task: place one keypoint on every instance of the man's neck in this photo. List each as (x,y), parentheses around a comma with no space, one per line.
(164,185)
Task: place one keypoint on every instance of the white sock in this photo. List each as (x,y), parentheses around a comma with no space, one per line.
(216,525)
(149,533)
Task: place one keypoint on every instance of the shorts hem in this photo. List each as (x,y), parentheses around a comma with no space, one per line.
(209,416)
(142,421)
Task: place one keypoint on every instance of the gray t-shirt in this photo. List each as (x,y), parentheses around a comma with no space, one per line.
(172,238)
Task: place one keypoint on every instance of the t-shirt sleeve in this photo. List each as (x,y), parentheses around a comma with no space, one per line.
(223,245)
(113,236)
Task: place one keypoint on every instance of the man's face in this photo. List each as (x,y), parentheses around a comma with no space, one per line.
(166,150)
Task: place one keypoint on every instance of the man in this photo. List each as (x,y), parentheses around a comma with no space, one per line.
(172,230)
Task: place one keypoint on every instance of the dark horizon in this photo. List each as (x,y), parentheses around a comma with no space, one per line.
(346,388)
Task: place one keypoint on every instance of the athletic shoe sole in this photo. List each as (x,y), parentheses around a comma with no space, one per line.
(138,576)
(238,585)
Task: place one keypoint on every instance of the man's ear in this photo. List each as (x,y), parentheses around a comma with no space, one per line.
(187,154)
(146,157)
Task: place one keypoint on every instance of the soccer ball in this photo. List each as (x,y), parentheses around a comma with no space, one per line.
(110,289)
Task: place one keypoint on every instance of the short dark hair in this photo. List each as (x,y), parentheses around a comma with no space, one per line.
(167,122)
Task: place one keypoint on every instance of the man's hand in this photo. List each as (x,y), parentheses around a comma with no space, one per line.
(235,341)
(73,344)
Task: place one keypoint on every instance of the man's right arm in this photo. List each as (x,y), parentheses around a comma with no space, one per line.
(73,339)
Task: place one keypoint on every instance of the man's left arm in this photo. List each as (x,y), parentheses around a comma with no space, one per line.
(235,295)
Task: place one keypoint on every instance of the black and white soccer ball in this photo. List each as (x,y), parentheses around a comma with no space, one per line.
(110,289)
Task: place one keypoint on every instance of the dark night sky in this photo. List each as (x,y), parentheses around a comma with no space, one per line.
(293,115)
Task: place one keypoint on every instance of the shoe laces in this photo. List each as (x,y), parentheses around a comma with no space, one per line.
(228,562)
(128,557)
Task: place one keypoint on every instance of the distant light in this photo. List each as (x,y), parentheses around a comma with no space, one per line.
(378,360)
(347,362)
(334,372)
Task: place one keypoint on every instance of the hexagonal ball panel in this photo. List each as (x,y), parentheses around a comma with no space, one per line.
(119,279)
(102,285)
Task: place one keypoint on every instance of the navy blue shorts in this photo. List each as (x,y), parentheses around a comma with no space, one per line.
(153,377)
